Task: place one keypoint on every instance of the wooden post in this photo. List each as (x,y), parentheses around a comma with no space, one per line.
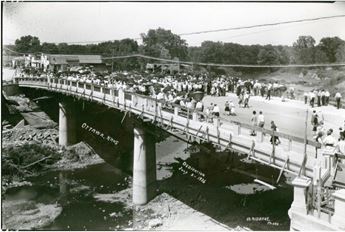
(171,122)
(282,170)
(262,135)
(218,135)
(77,87)
(290,144)
(92,88)
(198,130)
(273,147)
(230,140)
(319,189)
(302,169)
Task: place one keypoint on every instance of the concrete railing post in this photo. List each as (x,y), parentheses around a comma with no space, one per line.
(300,194)
(216,122)
(121,96)
(195,116)
(239,129)
(67,130)
(176,110)
(144,167)
(338,218)
(299,204)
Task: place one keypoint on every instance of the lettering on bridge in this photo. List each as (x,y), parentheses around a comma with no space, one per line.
(100,134)
(187,169)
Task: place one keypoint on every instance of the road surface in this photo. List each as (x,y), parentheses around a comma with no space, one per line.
(289,116)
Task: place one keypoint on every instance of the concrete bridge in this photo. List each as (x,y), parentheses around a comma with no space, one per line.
(298,156)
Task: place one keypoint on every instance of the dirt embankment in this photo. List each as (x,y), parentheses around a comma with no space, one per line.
(332,79)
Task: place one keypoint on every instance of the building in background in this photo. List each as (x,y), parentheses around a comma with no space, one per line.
(61,62)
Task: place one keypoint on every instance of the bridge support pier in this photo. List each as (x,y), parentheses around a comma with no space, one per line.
(144,167)
(67,125)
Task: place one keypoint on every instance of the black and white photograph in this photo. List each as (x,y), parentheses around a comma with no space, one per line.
(173,115)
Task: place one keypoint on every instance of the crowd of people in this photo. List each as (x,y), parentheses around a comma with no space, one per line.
(321,97)
(179,89)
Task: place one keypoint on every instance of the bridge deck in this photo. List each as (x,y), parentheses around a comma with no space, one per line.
(288,155)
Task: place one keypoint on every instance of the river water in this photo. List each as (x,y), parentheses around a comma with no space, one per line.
(230,197)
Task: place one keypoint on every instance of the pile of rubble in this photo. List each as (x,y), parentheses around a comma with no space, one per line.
(23,103)
(30,134)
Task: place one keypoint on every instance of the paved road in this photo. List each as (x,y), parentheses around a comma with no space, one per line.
(289,116)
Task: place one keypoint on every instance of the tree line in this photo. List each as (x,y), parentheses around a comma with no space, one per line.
(165,44)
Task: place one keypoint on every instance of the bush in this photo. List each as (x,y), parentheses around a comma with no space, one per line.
(16,158)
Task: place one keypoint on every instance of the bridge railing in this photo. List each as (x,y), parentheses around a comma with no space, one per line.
(147,103)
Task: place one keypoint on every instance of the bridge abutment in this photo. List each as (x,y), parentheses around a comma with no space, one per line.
(144,167)
(67,124)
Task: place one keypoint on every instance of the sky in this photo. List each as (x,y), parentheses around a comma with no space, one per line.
(102,21)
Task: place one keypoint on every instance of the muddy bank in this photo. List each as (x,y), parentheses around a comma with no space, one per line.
(164,212)
(28,215)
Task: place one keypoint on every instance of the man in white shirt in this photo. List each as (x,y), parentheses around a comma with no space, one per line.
(327,95)
(199,106)
(216,110)
(306,95)
(261,120)
(340,149)
(337,99)
(329,140)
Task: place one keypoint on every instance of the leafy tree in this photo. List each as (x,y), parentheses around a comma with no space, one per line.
(268,55)
(340,54)
(320,56)
(50,48)
(63,48)
(157,42)
(304,42)
(329,46)
(304,49)
(27,44)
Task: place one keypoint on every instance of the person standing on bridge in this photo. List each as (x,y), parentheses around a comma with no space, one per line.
(269,89)
(319,98)
(306,95)
(323,97)
(246,99)
(337,99)
(340,149)
(216,110)
(227,108)
(254,121)
(274,139)
(314,121)
(232,108)
(261,120)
